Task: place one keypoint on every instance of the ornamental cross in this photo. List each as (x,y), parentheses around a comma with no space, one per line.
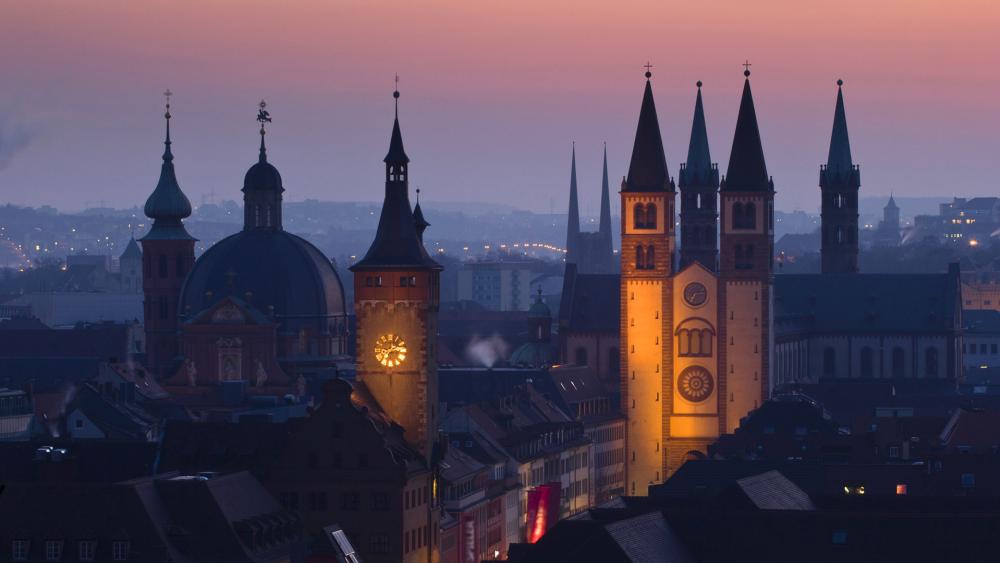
(747,65)
(648,66)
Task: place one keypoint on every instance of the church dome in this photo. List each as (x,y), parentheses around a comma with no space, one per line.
(262,176)
(539,310)
(282,275)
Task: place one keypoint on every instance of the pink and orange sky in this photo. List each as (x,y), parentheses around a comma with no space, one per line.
(493,93)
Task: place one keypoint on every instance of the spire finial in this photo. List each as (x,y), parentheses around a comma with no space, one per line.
(167,155)
(395,95)
(840,82)
(698,84)
(746,68)
(418,196)
(263,116)
(648,68)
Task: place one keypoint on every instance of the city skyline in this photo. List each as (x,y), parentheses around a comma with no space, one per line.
(489,123)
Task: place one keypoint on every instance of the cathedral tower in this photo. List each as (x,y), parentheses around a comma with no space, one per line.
(745,272)
(839,182)
(647,258)
(699,184)
(167,256)
(396,299)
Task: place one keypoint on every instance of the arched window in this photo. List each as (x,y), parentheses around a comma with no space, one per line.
(650,257)
(650,216)
(580,356)
(898,362)
(829,362)
(931,362)
(867,362)
(640,258)
(738,215)
(163,266)
(614,361)
(684,342)
(639,216)
(750,216)
(694,338)
(840,234)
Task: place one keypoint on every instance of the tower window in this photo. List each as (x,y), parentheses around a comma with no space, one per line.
(867,362)
(640,258)
(744,216)
(829,362)
(650,216)
(650,257)
(931,362)
(639,216)
(898,362)
(163,266)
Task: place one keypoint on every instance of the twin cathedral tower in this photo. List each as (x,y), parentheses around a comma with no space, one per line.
(696,325)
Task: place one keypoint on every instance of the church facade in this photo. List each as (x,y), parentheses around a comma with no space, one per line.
(695,330)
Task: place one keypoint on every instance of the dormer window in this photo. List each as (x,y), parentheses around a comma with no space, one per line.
(19,550)
(53,550)
(119,551)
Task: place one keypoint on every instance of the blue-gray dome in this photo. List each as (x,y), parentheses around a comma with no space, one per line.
(262,176)
(282,275)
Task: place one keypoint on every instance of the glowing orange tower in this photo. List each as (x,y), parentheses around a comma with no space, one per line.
(746,262)
(396,300)
(647,261)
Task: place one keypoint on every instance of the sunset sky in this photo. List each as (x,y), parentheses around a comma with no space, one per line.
(493,93)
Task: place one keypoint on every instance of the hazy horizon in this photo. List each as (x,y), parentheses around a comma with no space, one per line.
(493,94)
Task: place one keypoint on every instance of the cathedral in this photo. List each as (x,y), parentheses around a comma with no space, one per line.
(695,328)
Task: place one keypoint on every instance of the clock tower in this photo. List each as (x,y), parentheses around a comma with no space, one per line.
(396,299)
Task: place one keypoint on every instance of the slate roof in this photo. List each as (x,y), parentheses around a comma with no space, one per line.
(773,491)
(647,171)
(868,303)
(981,321)
(698,170)
(747,170)
(590,302)
(278,269)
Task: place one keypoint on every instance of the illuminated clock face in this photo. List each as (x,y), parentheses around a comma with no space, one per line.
(695,384)
(390,350)
(695,294)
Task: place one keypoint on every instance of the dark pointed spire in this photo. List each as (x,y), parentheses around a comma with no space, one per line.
(747,170)
(839,161)
(397,242)
(419,222)
(167,205)
(604,227)
(647,172)
(892,202)
(573,215)
(699,159)
(396,153)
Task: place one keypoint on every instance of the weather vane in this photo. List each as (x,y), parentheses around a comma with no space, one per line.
(263,116)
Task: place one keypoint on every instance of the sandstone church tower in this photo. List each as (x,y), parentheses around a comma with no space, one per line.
(396,300)
(746,263)
(839,182)
(167,256)
(647,223)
